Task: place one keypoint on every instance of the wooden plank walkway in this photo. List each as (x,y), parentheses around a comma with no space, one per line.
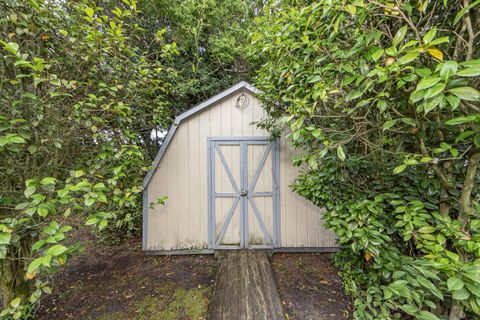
(245,288)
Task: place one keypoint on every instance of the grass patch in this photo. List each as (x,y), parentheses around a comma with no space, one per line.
(169,303)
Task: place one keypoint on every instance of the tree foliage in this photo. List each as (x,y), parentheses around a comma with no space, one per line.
(211,37)
(75,94)
(382,97)
(85,88)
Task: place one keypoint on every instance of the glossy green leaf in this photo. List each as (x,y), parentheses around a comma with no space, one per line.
(435,90)
(34,265)
(428,229)
(400,35)
(5,238)
(426,315)
(16,139)
(89,11)
(29,191)
(470,72)
(11,47)
(89,201)
(462,120)
(42,211)
(461,294)
(418,95)
(92,220)
(449,68)
(428,37)
(473,288)
(377,54)
(409,121)
(470,63)
(48,180)
(466,93)
(429,285)
(454,283)
(399,169)
(439,41)
(409,57)
(453,101)
(408,308)
(56,250)
(428,82)
(353,95)
(15,302)
(37,245)
(464,135)
(432,104)
(81,186)
(340,153)
(454,152)
(462,12)
(388,124)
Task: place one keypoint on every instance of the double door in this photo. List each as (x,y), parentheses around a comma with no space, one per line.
(243,193)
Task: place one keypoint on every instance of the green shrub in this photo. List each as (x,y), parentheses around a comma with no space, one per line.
(381,98)
(72,83)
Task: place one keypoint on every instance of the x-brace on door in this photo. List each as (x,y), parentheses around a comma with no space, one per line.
(243,179)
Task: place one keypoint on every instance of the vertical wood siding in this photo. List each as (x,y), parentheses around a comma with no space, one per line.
(182,176)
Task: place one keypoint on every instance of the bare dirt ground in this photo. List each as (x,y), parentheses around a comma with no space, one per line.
(309,287)
(121,282)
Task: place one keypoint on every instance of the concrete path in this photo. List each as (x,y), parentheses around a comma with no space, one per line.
(244,288)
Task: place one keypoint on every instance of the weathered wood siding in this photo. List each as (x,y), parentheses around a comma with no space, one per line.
(182,176)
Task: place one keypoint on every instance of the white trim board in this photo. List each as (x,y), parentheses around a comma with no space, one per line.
(243,85)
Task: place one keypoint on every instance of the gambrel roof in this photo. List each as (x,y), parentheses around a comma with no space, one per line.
(202,106)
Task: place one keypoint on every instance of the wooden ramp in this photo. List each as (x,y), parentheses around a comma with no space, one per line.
(244,288)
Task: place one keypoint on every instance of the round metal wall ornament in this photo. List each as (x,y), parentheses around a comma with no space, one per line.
(242,101)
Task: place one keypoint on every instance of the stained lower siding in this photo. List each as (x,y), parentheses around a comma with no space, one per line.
(182,176)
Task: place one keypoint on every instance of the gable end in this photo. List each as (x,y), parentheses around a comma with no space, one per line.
(202,106)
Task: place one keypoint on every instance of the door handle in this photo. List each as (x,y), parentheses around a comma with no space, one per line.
(243,193)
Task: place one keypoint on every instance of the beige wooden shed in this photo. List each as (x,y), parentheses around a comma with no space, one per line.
(227,184)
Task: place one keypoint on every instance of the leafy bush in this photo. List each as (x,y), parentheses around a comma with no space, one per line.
(381,97)
(73,102)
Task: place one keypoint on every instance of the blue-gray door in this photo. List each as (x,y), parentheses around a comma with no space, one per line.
(243,193)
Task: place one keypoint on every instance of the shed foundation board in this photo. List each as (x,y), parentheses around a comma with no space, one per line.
(221,251)
(178,252)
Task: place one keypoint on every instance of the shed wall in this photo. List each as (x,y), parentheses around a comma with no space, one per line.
(182,176)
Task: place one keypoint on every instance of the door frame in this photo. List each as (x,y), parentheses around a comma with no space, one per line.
(242,142)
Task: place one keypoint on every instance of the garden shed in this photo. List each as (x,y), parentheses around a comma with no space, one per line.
(227,184)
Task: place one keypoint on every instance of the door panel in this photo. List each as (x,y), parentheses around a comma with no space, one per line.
(260,191)
(227,204)
(243,193)
(227,222)
(227,166)
(260,222)
(259,167)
